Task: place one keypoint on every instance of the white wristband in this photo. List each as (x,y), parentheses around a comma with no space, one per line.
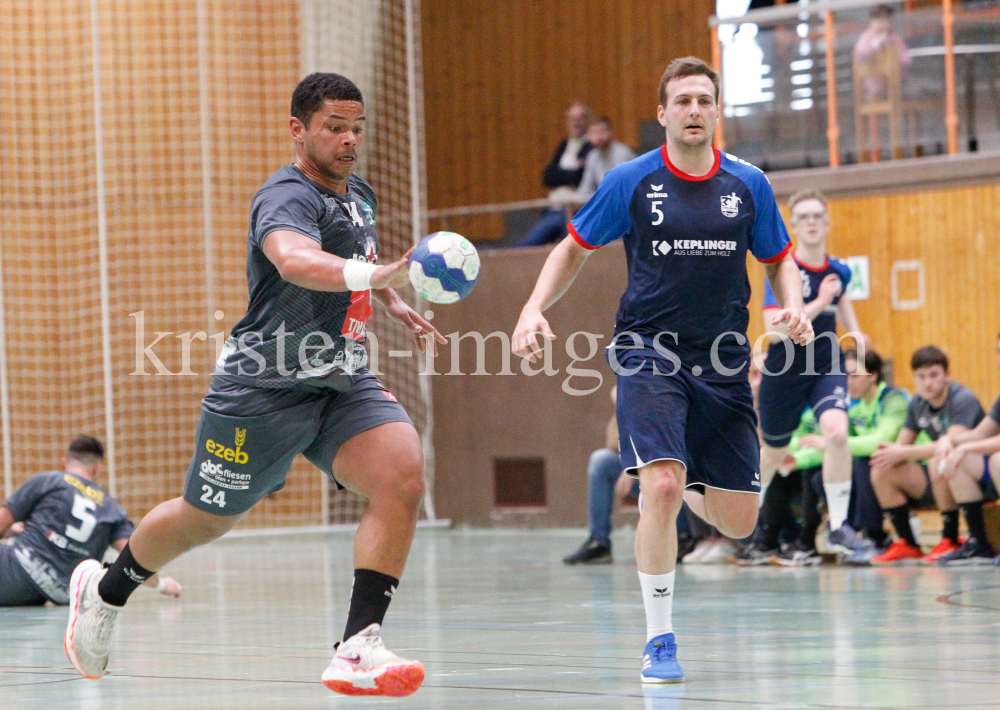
(358,275)
(160,585)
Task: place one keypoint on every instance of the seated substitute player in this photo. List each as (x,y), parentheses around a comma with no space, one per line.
(290,380)
(814,377)
(899,474)
(688,215)
(970,462)
(876,415)
(63,517)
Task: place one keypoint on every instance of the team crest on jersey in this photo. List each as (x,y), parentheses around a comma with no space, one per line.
(731,205)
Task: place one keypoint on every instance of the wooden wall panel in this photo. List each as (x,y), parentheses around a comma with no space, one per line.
(498,77)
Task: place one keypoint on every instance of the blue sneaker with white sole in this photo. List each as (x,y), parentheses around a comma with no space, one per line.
(659,661)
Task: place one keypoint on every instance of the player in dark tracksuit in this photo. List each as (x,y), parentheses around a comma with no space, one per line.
(61,518)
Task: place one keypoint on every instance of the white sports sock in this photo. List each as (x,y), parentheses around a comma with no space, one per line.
(658,599)
(838,498)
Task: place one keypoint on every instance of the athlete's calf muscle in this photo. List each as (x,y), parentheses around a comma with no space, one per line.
(174,527)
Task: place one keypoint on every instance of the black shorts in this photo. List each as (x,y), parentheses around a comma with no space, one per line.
(783,398)
(927,499)
(249,436)
(986,483)
(710,427)
(16,587)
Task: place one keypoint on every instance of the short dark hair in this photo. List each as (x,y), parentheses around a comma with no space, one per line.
(316,88)
(873,362)
(687,66)
(882,12)
(85,449)
(927,356)
(601,119)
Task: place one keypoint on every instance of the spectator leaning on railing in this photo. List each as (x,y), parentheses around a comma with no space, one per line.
(562,176)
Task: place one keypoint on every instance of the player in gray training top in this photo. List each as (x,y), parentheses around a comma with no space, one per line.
(292,380)
(970,462)
(61,518)
(940,407)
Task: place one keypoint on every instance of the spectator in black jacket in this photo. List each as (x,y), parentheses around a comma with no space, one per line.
(562,176)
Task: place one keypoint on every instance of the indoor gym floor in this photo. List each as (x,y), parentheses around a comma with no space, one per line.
(500,622)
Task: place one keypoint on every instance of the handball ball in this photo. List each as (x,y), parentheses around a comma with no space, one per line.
(444,267)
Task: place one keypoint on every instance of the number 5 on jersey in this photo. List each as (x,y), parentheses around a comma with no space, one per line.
(208,499)
(655,207)
(82,511)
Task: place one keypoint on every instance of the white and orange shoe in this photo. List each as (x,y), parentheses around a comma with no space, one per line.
(362,665)
(91,622)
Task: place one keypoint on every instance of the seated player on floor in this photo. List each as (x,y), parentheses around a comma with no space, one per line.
(970,462)
(900,472)
(62,518)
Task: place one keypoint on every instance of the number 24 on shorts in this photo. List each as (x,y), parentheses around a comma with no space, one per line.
(219,499)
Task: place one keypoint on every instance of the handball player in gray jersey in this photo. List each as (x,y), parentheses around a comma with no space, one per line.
(292,379)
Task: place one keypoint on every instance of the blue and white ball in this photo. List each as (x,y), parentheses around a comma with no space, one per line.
(444,267)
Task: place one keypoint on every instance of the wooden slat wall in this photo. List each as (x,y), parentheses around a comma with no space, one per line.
(953,233)
(498,77)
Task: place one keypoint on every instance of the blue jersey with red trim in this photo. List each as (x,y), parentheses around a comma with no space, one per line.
(826,320)
(686,240)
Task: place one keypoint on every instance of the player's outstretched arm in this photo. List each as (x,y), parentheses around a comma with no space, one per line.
(300,260)
(6,520)
(786,284)
(558,273)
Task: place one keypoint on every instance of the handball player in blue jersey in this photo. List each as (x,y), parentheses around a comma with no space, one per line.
(799,377)
(687,215)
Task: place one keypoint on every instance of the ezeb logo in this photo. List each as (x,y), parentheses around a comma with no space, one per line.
(224,452)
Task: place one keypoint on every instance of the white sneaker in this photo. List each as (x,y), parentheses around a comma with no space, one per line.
(91,622)
(363,666)
(719,552)
(694,557)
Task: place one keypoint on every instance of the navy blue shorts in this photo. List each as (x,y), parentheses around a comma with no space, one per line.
(783,398)
(986,483)
(709,427)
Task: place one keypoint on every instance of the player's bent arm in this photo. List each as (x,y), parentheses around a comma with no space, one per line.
(558,273)
(6,519)
(300,260)
(981,446)
(786,285)
(847,315)
(986,429)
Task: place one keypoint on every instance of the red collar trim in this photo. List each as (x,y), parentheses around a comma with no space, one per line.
(826,263)
(691,178)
